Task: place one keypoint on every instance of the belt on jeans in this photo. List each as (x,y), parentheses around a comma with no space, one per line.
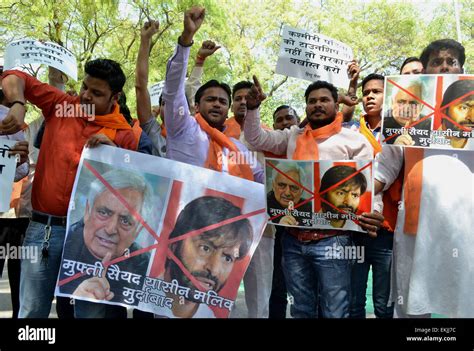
(312,235)
(48,219)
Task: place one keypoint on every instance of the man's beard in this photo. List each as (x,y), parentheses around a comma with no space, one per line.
(320,122)
(346,209)
(183,280)
(447,124)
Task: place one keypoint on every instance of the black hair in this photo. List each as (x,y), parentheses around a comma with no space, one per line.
(456,90)
(372,76)
(107,70)
(443,44)
(282,107)
(212,84)
(337,173)
(244,84)
(208,210)
(408,60)
(321,84)
(124,110)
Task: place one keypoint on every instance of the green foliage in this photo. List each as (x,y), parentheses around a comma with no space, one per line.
(381,33)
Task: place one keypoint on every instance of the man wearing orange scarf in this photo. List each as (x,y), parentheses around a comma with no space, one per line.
(314,278)
(433,245)
(378,250)
(201,141)
(89,119)
(234,125)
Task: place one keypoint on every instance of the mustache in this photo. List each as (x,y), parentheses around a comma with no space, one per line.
(320,110)
(347,208)
(206,275)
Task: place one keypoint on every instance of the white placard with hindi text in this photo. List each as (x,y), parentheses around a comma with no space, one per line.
(313,57)
(30,51)
(155,92)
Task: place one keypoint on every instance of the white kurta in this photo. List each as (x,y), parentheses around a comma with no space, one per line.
(433,272)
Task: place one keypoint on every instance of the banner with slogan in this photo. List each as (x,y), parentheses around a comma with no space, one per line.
(155,92)
(429,111)
(7,173)
(30,51)
(318,194)
(313,57)
(163,236)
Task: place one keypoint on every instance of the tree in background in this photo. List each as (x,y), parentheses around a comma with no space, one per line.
(381,34)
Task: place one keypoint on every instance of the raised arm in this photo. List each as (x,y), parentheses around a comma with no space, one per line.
(14,91)
(177,118)
(350,101)
(193,82)
(141,72)
(275,141)
(20,87)
(57,79)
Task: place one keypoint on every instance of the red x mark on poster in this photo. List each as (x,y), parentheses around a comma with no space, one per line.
(317,196)
(438,111)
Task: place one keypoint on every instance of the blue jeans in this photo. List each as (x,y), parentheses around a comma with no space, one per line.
(38,279)
(378,253)
(314,274)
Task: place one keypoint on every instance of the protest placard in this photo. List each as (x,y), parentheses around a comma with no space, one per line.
(7,173)
(30,51)
(313,57)
(318,194)
(179,237)
(429,111)
(155,92)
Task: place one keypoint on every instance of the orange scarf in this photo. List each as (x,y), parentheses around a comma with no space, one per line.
(111,122)
(232,129)
(306,144)
(369,136)
(163,131)
(219,141)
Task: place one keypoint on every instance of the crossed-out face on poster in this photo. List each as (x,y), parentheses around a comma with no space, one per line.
(318,194)
(156,235)
(429,111)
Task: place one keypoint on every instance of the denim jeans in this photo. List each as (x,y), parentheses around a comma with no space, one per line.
(315,274)
(378,253)
(12,232)
(38,278)
(278,298)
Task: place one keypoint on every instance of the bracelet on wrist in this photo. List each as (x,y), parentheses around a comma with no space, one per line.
(180,42)
(200,60)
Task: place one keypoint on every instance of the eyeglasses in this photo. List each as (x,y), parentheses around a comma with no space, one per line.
(293,188)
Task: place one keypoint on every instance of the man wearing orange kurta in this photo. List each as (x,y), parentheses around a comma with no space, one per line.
(89,119)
